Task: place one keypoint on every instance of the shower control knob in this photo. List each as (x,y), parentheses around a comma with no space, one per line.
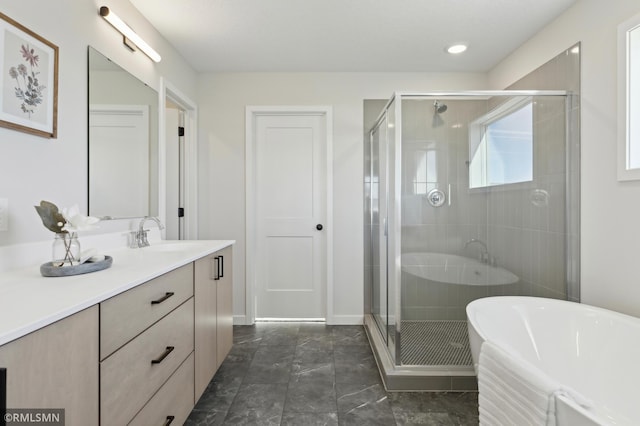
(319,227)
(436,197)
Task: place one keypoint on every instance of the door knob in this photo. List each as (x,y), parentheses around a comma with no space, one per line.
(319,227)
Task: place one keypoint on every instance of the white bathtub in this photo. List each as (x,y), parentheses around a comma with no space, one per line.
(594,351)
(453,269)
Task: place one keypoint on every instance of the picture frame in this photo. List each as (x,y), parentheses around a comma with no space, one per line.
(28,80)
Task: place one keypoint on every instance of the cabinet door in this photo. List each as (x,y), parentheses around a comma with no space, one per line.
(56,367)
(225,303)
(205,294)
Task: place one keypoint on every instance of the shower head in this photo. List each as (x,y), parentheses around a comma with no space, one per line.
(440,108)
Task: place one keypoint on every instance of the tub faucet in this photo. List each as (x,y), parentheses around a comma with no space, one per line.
(140,236)
(485,257)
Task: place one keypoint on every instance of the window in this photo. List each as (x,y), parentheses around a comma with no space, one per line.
(501,145)
(629,99)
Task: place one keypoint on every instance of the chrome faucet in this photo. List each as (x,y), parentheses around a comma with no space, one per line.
(140,237)
(485,257)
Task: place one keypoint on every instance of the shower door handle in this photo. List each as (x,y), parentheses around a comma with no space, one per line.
(385,228)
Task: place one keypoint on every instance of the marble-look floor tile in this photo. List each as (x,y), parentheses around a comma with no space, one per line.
(311,397)
(357,370)
(316,372)
(253,417)
(368,415)
(271,364)
(350,335)
(315,328)
(313,374)
(351,396)
(309,419)
(209,417)
(313,353)
(316,339)
(219,394)
(265,373)
(430,419)
(242,353)
(257,404)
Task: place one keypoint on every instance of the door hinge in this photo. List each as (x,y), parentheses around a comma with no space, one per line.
(180,131)
(180,211)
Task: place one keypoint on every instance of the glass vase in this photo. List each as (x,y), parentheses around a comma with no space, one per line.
(66,249)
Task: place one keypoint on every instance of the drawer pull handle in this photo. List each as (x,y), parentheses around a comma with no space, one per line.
(169,420)
(163,298)
(163,356)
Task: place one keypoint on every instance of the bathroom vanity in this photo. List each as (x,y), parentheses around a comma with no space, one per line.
(134,344)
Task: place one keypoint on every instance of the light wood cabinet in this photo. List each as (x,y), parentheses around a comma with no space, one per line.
(173,402)
(213,287)
(224,310)
(56,367)
(142,357)
(128,314)
(205,324)
(134,373)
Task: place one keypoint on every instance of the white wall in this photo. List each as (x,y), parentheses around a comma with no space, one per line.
(610,210)
(34,168)
(222,99)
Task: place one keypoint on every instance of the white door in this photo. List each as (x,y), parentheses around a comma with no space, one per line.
(290,201)
(119,135)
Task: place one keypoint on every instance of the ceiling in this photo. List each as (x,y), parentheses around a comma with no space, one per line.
(347,35)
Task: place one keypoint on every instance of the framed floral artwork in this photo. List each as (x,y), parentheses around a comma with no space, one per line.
(28,80)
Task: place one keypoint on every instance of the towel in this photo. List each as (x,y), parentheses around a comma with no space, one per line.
(513,392)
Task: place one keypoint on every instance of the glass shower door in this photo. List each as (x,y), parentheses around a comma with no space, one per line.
(378,228)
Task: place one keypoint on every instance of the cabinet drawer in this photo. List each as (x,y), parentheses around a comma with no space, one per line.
(128,314)
(174,399)
(130,376)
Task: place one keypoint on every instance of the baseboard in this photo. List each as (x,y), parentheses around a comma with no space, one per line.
(240,320)
(346,320)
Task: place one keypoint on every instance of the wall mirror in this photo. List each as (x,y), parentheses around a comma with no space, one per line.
(123,142)
(629,99)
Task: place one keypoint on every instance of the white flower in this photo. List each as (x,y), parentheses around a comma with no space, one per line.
(77,221)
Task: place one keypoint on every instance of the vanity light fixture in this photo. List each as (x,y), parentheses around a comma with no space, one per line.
(129,35)
(456,48)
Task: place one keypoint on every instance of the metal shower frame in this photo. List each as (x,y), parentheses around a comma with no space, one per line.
(393,208)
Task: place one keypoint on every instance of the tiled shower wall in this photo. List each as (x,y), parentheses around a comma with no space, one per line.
(527,228)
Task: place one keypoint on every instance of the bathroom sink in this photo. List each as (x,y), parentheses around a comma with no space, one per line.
(171,246)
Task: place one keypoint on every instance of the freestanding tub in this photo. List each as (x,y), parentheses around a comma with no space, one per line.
(454,269)
(591,350)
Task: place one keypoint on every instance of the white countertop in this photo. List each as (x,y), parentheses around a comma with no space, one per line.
(29,301)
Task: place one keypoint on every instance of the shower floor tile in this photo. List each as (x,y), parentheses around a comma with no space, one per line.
(435,343)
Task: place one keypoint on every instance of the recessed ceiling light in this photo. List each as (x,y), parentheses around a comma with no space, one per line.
(456,48)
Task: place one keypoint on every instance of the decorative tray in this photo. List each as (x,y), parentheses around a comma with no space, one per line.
(48,270)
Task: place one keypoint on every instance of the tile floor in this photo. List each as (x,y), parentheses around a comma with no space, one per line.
(311,374)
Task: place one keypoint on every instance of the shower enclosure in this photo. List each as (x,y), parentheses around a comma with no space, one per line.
(467,195)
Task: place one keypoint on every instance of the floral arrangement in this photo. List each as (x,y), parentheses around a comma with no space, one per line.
(65,221)
(65,224)
(28,89)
